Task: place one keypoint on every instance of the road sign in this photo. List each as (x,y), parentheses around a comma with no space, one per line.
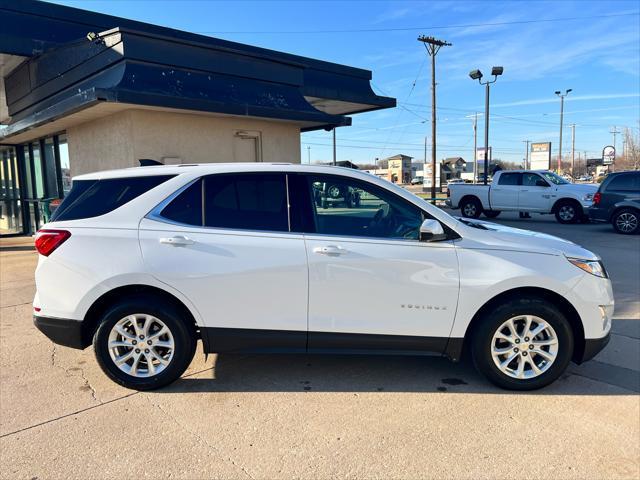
(608,155)
(540,156)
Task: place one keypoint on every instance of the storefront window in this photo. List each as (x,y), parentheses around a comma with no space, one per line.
(65,171)
(49,167)
(10,205)
(37,169)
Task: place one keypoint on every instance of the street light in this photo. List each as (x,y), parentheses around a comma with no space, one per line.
(561,95)
(477,75)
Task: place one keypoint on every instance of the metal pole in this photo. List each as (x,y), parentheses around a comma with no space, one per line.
(526,155)
(424,164)
(334,145)
(560,144)
(309,155)
(486,134)
(475,147)
(433,127)
(573,148)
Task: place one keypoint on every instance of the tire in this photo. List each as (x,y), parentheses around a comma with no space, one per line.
(568,211)
(519,310)
(491,213)
(159,313)
(626,221)
(471,207)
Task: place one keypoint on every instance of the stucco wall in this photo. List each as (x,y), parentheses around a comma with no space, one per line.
(119,140)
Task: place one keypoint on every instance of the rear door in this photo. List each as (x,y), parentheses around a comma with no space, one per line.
(504,194)
(224,242)
(533,196)
(372,284)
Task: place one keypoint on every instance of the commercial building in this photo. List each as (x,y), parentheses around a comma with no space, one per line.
(82,91)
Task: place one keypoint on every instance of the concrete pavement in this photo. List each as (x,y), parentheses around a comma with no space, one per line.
(284,416)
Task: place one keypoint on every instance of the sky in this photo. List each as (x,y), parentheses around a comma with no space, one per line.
(591,47)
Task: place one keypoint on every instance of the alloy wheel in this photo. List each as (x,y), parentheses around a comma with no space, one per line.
(524,347)
(141,345)
(469,209)
(567,213)
(627,222)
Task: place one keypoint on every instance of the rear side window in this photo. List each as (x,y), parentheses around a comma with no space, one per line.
(246,201)
(92,198)
(509,179)
(628,182)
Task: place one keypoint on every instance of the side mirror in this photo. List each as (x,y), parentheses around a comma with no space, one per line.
(541,183)
(432,231)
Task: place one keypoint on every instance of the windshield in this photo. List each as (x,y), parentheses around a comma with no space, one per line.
(553,178)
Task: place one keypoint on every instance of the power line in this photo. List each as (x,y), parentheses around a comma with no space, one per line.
(408,29)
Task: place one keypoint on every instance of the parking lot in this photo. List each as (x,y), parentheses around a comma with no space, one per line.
(283,416)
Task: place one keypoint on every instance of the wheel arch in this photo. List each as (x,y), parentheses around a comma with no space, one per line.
(99,306)
(456,349)
(622,206)
(558,202)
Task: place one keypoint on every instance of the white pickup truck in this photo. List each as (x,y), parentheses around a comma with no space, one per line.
(538,191)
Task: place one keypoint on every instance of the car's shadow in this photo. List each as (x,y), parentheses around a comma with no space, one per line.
(367,373)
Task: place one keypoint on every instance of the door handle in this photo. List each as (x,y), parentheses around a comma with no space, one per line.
(330,250)
(178,241)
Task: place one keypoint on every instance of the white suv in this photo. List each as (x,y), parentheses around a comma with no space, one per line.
(143,262)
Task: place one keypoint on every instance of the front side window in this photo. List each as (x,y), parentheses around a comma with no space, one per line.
(247,201)
(554,178)
(348,207)
(510,179)
(531,180)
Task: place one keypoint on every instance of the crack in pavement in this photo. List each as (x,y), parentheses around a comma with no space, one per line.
(83,410)
(200,438)
(16,305)
(67,372)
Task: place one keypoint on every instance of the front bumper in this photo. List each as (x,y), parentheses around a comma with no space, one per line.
(593,346)
(62,331)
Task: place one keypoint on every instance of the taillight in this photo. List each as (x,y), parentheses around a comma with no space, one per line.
(48,240)
(596,198)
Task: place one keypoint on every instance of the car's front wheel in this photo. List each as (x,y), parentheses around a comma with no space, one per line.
(568,211)
(144,343)
(524,344)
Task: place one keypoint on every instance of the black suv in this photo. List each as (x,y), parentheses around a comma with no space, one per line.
(618,201)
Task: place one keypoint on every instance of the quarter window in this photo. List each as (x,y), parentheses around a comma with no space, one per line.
(187,206)
(347,207)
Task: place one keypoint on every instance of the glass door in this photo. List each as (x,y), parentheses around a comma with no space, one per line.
(10,204)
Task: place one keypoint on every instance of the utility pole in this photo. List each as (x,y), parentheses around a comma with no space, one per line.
(561,95)
(433,46)
(526,154)
(334,145)
(309,154)
(573,148)
(614,132)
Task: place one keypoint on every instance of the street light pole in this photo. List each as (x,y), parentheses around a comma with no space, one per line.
(475,147)
(334,145)
(526,155)
(561,95)
(477,75)
(573,149)
(309,154)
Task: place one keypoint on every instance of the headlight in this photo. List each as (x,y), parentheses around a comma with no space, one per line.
(588,197)
(594,267)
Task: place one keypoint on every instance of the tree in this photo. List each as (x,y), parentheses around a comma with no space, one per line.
(630,158)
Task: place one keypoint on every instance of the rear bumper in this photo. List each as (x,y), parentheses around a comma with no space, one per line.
(598,214)
(61,331)
(593,346)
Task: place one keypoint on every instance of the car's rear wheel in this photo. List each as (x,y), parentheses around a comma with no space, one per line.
(524,344)
(144,343)
(568,211)
(491,213)
(626,221)
(471,208)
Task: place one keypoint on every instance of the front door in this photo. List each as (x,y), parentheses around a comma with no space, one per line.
(236,260)
(504,195)
(534,197)
(372,284)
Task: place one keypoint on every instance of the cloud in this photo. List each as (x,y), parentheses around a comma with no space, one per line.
(570,98)
(391,15)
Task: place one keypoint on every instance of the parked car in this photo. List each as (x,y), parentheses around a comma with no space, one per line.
(144,262)
(537,191)
(417,181)
(618,202)
(326,196)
